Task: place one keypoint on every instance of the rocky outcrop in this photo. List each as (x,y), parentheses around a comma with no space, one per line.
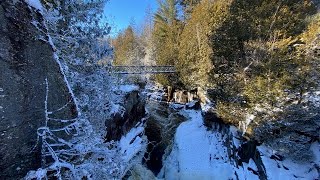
(174,149)
(160,129)
(241,153)
(194,105)
(211,119)
(181,96)
(122,121)
(292,133)
(248,150)
(27,67)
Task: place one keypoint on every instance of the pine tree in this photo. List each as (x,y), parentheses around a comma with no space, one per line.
(127,49)
(195,51)
(165,38)
(269,19)
(188,6)
(146,38)
(77,26)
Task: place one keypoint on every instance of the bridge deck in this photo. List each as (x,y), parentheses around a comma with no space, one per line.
(141,69)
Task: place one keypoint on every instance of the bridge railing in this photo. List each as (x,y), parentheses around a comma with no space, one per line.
(141,69)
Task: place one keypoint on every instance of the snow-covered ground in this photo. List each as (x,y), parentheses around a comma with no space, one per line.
(287,169)
(154,92)
(201,154)
(132,143)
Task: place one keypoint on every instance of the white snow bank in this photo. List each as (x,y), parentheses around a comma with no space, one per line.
(235,136)
(286,169)
(207,107)
(315,148)
(155,96)
(154,93)
(132,143)
(128,88)
(314,98)
(116,108)
(176,106)
(35,4)
(38,174)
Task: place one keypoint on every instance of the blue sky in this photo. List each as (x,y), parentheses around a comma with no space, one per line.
(121,12)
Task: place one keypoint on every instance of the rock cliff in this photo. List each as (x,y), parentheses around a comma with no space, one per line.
(120,122)
(31,81)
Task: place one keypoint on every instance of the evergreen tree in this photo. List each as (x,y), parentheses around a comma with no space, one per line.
(77,26)
(245,51)
(196,51)
(269,19)
(127,49)
(146,37)
(165,38)
(188,6)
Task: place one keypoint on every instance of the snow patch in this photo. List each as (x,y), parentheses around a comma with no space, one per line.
(314,98)
(128,88)
(176,106)
(38,174)
(201,154)
(315,148)
(286,169)
(207,107)
(131,143)
(245,172)
(116,108)
(235,136)
(35,4)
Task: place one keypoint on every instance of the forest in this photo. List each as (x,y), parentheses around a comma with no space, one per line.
(251,56)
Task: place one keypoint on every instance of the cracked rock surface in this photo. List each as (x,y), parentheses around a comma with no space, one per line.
(25,63)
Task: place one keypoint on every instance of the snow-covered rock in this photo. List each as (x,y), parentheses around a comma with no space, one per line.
(35,4)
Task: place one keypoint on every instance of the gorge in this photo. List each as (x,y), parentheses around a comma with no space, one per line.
(65,116)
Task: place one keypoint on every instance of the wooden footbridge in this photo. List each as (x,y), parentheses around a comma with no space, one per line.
(141,69)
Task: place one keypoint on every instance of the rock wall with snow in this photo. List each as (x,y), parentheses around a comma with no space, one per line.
(203,146)
(31,86)
(131,111)
(222,153)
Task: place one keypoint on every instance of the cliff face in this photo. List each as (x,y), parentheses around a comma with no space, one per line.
(29,76)
(120,123)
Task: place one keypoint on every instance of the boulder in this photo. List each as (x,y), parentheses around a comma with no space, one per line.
(211,119)
(193,105)
(180,97)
